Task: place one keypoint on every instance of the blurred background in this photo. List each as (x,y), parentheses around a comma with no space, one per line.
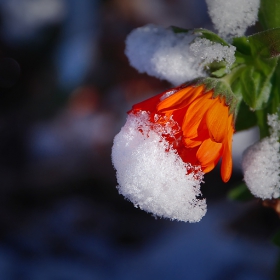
(65,87)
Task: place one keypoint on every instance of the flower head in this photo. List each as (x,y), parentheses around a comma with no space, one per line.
(200,125)
(167,144)
(153,179)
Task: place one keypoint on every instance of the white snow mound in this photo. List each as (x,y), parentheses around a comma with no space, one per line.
(152,178)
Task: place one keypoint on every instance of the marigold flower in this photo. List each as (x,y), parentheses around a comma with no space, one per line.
(201,125)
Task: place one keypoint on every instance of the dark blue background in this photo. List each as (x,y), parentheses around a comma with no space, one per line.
(65,87)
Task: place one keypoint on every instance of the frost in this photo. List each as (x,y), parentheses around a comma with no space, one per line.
(161,53)
(153,176)
(261,164)
(208,52)
(232,17)
(175,57)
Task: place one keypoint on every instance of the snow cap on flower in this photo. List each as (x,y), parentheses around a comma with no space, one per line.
(261,163)
(168,142)
(153,179)
(201,123)
(175,57)
(231,18)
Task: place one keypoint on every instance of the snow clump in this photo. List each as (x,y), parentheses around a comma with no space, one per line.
(152,175)
(207,52)
(261,164)
(231,18)
(175,57)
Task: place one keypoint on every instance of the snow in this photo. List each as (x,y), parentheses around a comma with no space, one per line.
(153,176)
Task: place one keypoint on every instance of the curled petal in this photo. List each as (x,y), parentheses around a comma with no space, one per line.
(226,167)
(208,153)
(195,114)
(146,105)
(217,122)
(180,99)
(196,123)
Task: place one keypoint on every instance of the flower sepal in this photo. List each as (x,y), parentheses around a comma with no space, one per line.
(222,88)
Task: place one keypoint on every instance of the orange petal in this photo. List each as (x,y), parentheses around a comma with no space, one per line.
(208,154)
(188,155)
(195,113)
(209,167)
(189,143)
(217,121)
(180,99)
(178,116)
(226,167)
(148,105)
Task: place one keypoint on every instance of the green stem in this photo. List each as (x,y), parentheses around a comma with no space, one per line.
(262,123)
(233,75)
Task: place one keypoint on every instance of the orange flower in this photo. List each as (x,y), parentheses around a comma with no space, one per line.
(202,125)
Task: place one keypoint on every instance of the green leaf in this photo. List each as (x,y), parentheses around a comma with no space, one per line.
(218,73)
(273,104)
(248,86)
(176,29)
(246,118)
(242,45)
(275,96)
(203,33)
(217,69)
(265,44)
(269,14)
(240,193)
(207,34)
(257,54)
(256,83)
(262,122)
